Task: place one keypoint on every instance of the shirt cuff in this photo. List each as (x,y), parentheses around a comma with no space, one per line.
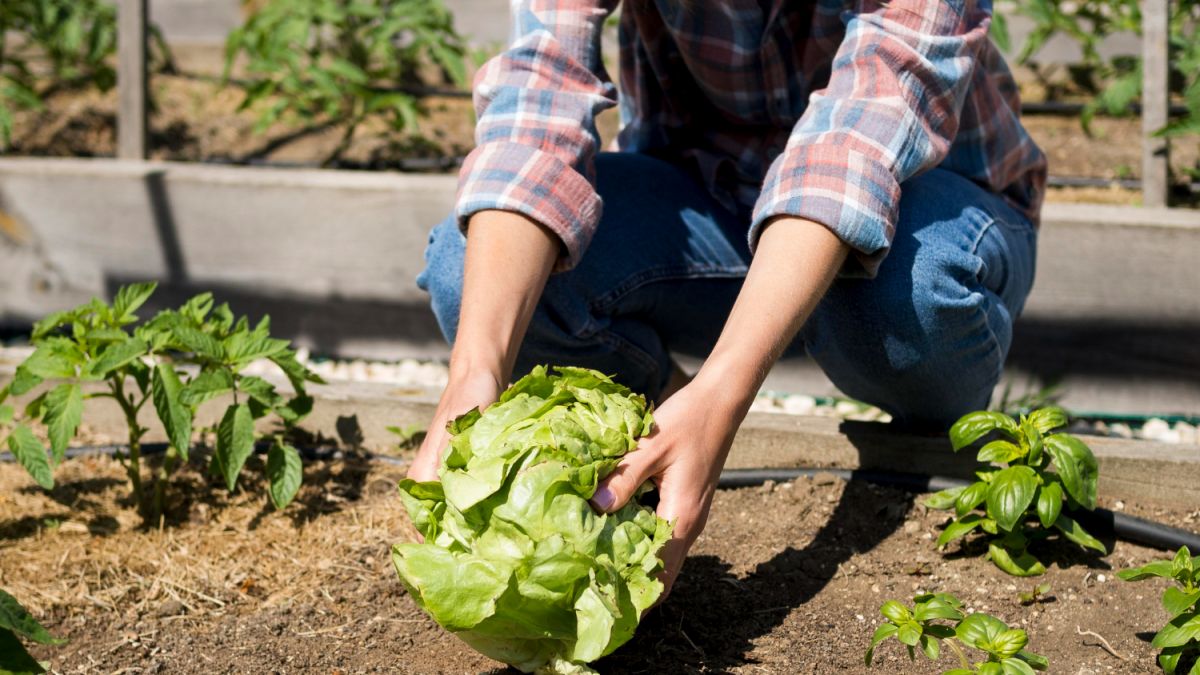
(852,194)
(513,177)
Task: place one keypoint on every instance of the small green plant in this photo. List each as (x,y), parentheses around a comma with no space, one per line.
(174,362)
(1038,594)
(16,621)
(1033,473)
(65,42)
(410,437)
(343,60)
(1181,636)
(936,619)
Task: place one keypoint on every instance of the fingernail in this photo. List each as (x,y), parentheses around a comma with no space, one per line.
(603,498)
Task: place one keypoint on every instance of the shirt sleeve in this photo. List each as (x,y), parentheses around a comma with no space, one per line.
(890,111)
(536,137)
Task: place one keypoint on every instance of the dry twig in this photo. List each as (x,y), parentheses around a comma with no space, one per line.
(1103,643)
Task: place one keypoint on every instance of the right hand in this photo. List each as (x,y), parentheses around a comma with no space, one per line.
(461,395)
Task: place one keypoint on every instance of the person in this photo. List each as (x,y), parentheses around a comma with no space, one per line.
(843,178)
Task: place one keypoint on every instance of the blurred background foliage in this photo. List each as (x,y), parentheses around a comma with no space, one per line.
(301,62)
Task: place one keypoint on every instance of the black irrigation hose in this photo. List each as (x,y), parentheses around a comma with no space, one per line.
(1102,522)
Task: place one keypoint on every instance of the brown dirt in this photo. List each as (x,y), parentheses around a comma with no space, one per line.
(786,579)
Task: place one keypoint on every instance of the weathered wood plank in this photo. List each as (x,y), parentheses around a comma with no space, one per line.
(132,86)
(1155,99)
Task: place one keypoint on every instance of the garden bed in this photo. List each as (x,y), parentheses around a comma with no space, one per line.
(227,585)
(198,119)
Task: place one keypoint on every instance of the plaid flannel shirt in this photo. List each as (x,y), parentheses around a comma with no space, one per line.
(819,109)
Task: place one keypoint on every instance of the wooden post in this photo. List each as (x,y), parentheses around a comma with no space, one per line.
(1155,100)
(132,85)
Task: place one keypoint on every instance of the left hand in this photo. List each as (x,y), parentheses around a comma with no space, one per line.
(693,431)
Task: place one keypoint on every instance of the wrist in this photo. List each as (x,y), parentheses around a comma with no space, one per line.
(475,371)
(730,388)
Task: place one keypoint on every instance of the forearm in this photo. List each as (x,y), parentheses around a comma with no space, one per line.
(508,260)
(796,262)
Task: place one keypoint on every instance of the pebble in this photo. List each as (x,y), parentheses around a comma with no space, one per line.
(1155,429)
(799,405)
(1121,430)
(1186,432)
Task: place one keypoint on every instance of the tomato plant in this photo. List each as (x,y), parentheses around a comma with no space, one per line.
(67,42)
(343,60)
(1089,23)
(175,362)
(1032,474)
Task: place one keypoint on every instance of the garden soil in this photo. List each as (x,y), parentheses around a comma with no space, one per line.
(198,119)
(787,578)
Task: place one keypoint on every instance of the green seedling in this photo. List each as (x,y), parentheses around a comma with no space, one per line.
(410,436)
(936,619)
(1038,594)
(1181,636)
(1020,497)
(16,622)
(174,362)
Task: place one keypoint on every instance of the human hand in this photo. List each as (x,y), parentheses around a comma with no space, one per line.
(460,396)
(693,431)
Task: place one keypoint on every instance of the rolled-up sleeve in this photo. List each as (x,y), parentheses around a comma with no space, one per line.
(536,136)
(890,111)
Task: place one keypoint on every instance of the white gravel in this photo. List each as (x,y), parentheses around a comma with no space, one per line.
(434,374)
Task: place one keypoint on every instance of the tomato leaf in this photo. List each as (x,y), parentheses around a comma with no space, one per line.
(285,471)
(176,417)
(63,411)
(31,455)
(235,443)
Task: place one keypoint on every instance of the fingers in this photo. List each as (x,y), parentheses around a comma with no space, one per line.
(636,468)
(685,504)
(429,456)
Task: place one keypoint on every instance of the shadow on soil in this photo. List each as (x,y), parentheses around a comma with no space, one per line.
(712,618)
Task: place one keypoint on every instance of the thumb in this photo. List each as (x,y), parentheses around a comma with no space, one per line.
(615,491)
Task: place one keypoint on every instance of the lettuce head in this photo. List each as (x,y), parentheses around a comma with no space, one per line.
(515,562)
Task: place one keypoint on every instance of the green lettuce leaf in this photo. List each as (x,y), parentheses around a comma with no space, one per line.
(515,561)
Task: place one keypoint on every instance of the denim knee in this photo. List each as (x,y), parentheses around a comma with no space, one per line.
(442,277)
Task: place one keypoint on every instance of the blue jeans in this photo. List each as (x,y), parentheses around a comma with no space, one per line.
(925,340)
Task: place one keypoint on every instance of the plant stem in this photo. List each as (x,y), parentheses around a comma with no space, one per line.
(962,658)
(134,468)
(160,481)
